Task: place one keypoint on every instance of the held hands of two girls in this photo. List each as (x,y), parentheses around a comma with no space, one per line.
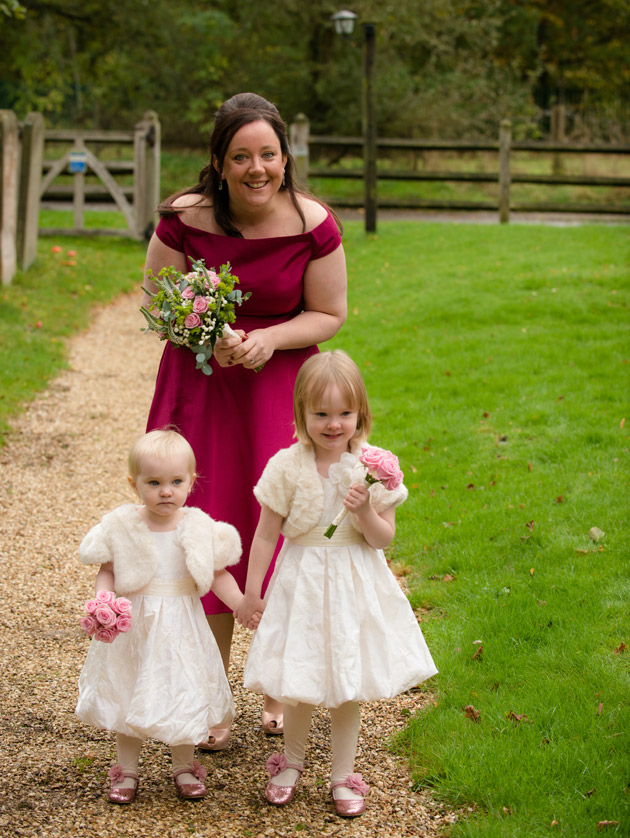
(249,612)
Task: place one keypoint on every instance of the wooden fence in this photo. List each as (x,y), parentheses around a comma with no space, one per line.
(504,176)
(31,178)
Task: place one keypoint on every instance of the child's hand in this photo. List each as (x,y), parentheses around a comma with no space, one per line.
(255,620)
(358,498)
(247,609)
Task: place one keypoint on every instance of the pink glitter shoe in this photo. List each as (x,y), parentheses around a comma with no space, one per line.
(117,774)
(192,791)
(280,795)
(354,807)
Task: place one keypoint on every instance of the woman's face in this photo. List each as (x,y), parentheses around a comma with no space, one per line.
(253,166)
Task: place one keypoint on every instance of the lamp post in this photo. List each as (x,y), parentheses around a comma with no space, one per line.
(344,25)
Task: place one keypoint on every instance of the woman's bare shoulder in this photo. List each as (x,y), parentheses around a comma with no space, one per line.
(314,212)
(195,210)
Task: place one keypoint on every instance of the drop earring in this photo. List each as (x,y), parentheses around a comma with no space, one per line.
(220,183)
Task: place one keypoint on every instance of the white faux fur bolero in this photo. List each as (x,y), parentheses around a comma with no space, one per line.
(123,538)
(290,486)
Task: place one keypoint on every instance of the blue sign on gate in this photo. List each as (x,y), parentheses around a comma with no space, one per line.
(78,162)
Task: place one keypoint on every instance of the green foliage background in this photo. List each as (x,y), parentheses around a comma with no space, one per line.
(449,68)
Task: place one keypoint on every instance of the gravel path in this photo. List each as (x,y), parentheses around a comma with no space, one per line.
(64,467)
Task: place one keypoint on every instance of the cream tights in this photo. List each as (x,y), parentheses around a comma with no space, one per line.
(128,751)
(344,734)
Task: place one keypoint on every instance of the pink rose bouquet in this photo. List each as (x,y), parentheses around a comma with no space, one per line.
(106,616)
(194,309)
(381,466)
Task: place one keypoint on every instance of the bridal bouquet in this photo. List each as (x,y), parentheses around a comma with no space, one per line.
(380,466)
(106,616)
(194,309)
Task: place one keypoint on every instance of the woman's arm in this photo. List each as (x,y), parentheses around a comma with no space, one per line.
(325,310)
(260,556)
(105,578)
(378,528)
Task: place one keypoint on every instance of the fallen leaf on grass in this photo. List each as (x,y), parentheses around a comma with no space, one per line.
(607,824)
(531,571)
(471,713)
(595,534)
(622,423)
(517,718)
(530,526)
(600,707)
(478,654)
(554,823)
(448,577)
(620,649)
(507,810)
(560,499)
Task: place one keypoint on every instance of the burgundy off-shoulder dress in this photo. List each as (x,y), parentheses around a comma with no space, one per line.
(236,419)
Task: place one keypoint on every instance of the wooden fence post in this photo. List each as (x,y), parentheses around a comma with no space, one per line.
(370,175)
(558,135)
(147,140)
(30,183)
(505,140)
(298,133)
(9,167)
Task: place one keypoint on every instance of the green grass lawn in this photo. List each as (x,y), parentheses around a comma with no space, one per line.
(496,358)
(53,300)
(497,363)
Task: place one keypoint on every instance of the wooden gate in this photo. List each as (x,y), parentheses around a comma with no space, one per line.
(137,203)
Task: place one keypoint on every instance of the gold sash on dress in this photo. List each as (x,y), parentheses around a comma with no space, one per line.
(342,537)
(170,587)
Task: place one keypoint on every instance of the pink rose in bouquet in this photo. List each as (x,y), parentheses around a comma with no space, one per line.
(188,293)
(123,623)
(89,624)
(382,466)
(214,279)
(105,635)
(90,606)
(106,597)
(192,321)
(200,305)
(121,605)
(105,615)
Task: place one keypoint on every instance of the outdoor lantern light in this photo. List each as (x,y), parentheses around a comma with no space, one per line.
(344,22)
(344,25)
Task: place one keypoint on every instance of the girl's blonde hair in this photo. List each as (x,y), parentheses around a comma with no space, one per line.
(162,443)
(319,372)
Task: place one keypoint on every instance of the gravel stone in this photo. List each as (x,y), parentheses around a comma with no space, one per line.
(63,467)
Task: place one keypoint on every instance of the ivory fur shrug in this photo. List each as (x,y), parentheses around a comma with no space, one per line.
(290,486)
(123,538)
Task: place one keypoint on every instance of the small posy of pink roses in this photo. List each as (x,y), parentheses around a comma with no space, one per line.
(106,616)
(382,466)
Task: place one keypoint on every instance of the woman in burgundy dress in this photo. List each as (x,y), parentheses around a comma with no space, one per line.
(285,247)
